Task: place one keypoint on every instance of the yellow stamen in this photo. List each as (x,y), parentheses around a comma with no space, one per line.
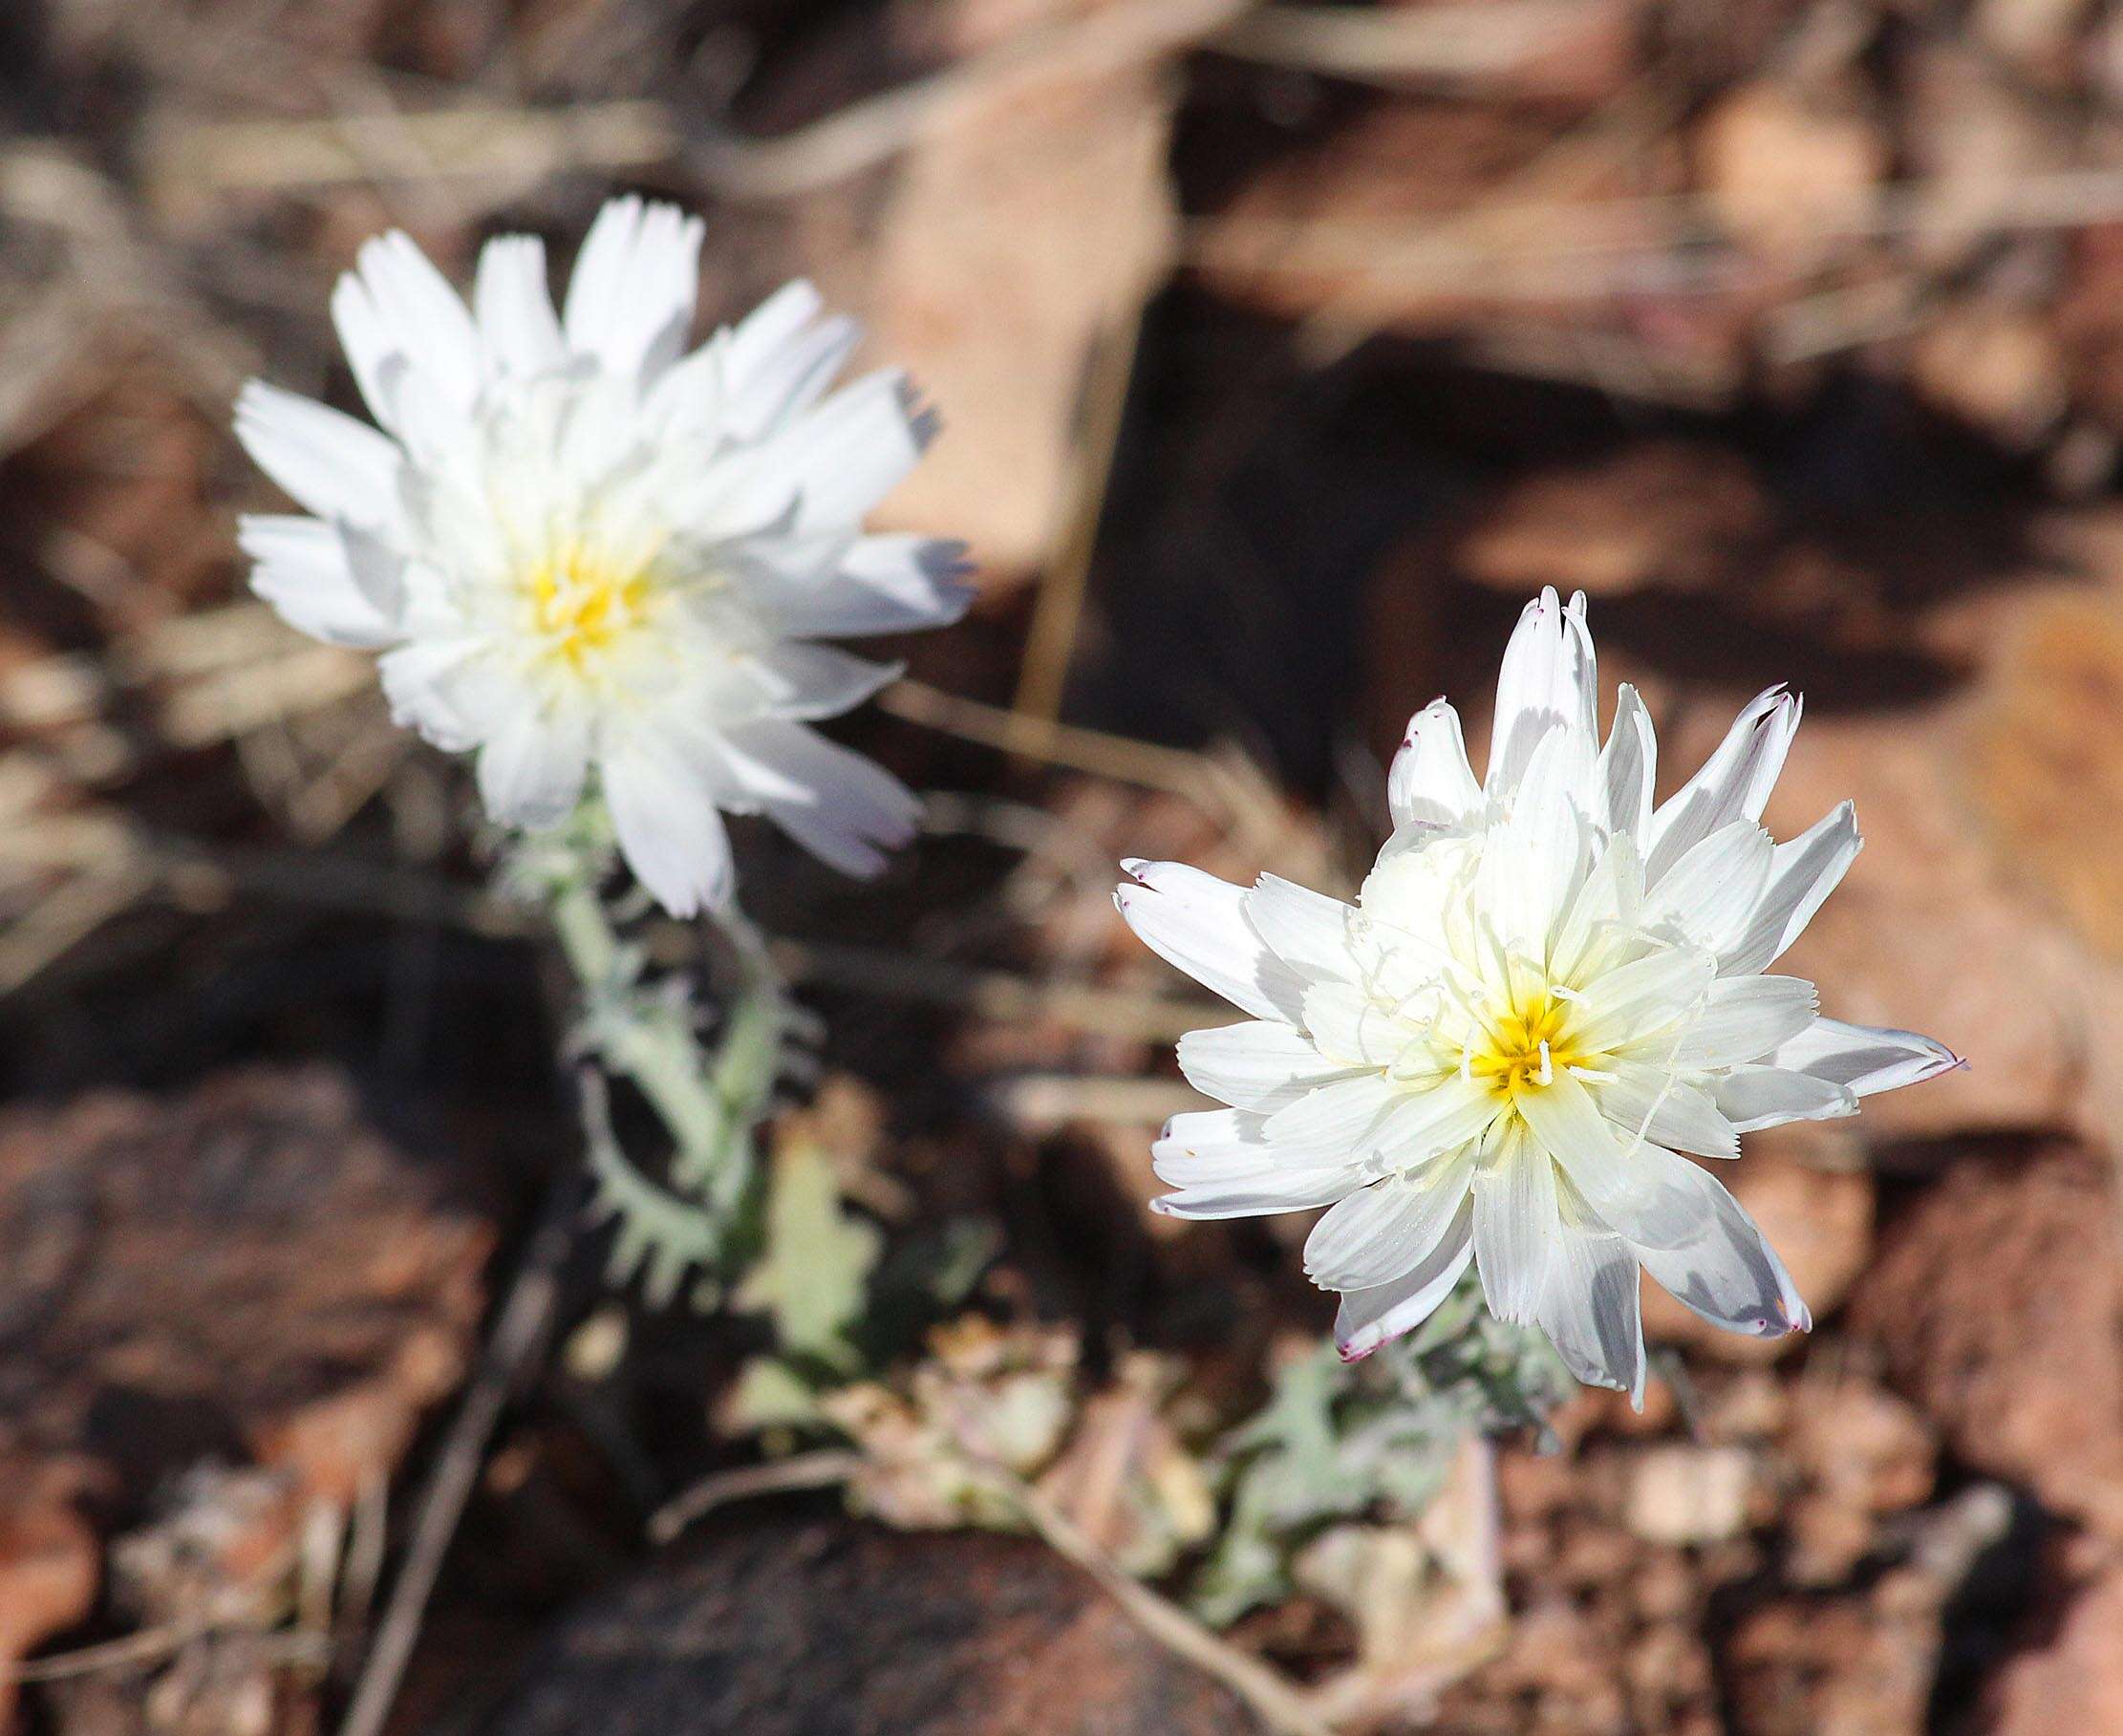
(581,601)
(1525,1048)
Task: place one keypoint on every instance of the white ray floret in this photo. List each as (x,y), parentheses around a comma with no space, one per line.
(1548,999)
(584,552)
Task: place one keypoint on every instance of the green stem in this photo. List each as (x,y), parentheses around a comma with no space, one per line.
(709,1104)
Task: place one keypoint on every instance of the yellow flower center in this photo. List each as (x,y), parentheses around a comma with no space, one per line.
(581,601)
(1524,1048)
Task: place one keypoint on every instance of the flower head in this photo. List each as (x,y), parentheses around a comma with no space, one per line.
(581,549)
(1546,992)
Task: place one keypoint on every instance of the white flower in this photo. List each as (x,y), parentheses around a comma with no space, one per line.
(1546,990)
(580,547)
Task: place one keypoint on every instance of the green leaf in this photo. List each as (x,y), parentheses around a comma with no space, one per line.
(812,1276)
(770,1395)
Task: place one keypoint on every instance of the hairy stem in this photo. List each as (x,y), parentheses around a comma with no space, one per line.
(708,1103)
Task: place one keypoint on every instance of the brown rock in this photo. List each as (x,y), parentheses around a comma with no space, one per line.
(49,1565)
(1672,513)
(1819,1221)
(1848,1666)
(2074,1681)
(2004,984)
(2038,766)
(1995,1301)
(1861,1452)
(1861,1662)
(245,1271)
(249,1267)
(1680,1493)
(783,1630)
(188,1285)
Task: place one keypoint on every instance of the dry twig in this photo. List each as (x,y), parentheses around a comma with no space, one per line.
(517,1341)
(821,1469)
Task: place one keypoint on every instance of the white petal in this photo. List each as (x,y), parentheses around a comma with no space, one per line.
(1308,931)
(851,811)
(1802,873)
(338,468)
(1229,1138)
(1864,1058)
(630,303)
(1226,1144)
(756,344)
(1530,872)
(1370,1317)
(1256,1064)
(1516,1226)
(1734,782)
(1336,1117)
(1298,1189)
(396,304)
(1349,1026)
(768,385)
(1766,1097)
(1647,1103)
(1198,922)
(342,589)
(1639,1189)
(1637,1002)
(1729,1273)
(416,680)
(519,332)
(668,828)
(1744,1019)
(1391,1228)
(1434,1118)
(532,766)
(1607,904)
(1628,765)
(1547,682)
(1591,1311)
(874,585)
(854,449)
(812,681)
(1431,782)
(1710,894)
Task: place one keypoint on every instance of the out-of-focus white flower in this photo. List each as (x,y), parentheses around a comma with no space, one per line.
(1546,991)
(580,547)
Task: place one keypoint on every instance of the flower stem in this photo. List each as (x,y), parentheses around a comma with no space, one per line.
(646,1033)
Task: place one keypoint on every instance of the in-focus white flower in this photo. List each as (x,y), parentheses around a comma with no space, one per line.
(581,549)
(1546,991)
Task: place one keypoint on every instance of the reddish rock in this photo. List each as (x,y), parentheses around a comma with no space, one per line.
(2074,1681)
(1862,1662)
(49,1561)
(1675,514)
(788,1630)
(2004,984)
(1861,1452)
(2042,780)
(1995,1302)
(1855,1665)
(247,1271)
